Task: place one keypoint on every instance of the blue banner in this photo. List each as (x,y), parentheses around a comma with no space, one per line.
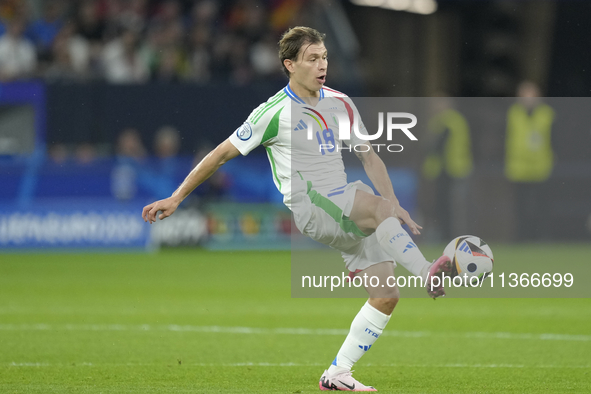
(74,224)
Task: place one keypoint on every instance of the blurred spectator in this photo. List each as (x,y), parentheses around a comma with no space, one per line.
(172,66)
(130,158)
(122,61)
(61,69)
(166,146)
(90,25)
(130,147)
(13,9)
(199,54)
(529,158)
(263,57)
(167,143)
(44,30)
(17,54)
(230,59)
(221,66)
(248,18)
(130,14)
(85,154)
(204,26)
(167,56)
(284,14)
(58,154)
(168,12)
(71,56)
(204,14)
(242,71)
(78,48)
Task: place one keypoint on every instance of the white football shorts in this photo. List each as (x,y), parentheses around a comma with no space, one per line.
(328,212)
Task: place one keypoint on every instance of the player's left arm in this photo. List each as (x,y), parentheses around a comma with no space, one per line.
(378,174)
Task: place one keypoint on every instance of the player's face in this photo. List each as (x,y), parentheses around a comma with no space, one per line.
(309,69)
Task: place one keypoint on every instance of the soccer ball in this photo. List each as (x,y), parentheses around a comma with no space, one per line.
(471,256)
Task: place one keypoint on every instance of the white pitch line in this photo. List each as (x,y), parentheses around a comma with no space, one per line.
(288,331)
(263,364)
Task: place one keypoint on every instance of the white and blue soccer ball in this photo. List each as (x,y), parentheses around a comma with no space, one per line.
(470,256)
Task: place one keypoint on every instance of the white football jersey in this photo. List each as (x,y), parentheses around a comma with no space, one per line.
(302,141)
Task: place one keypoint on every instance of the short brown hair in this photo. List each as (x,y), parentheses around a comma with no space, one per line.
(292,41)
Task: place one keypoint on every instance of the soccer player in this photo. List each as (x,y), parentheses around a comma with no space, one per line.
(308,170)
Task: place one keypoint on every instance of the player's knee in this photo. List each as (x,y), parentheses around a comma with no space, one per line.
(385,305)
(384,210)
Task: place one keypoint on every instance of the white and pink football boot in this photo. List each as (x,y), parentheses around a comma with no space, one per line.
(441,266)
(342,382)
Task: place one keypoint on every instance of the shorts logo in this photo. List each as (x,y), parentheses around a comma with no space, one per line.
(244,132)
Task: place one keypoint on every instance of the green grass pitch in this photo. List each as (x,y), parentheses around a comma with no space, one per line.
(192,321)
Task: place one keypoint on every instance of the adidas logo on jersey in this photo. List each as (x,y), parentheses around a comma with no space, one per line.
(301,126)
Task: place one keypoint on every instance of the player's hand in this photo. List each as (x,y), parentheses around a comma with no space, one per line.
(166,207)
(404,217)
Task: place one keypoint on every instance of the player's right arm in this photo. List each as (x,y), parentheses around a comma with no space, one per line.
(246,138)
(206,168)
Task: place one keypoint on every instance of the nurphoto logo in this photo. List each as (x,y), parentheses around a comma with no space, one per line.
(344,134)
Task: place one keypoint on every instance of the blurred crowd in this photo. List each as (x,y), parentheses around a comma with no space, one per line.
(137,41)
(134,171)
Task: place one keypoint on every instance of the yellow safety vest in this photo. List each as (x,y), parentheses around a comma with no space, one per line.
(457,151)
(528,147)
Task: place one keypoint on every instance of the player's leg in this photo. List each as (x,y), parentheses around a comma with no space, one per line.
(366,328)
(371,319)
(372,213)
(369,210)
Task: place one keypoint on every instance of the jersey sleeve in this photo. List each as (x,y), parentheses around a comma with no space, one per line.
(261,125)
(248,136)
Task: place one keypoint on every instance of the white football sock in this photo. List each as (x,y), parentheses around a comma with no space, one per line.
(365,330)
(398,244)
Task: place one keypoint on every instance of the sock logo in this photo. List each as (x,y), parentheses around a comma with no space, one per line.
(372,333)
(394,238)
(409,246)
(365,348)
